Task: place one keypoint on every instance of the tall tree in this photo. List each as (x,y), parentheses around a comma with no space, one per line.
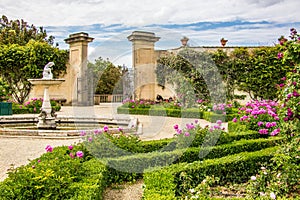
(107,77)
(24,51)
(20,32)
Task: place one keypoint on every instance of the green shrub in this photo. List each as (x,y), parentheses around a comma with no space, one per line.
(170,144)
(56,175)
(140,162)
(181,177)
(33,106)
(161,111)
(236,127)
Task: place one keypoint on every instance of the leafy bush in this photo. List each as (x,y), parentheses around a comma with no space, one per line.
(176,179)
(261,116)
(33,106)
(58,174)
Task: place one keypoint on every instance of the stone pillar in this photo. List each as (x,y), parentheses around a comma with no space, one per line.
(78,73)
(144,62)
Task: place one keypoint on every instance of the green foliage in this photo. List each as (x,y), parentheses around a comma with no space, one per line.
(33,106)
(55,175)
(20,32)
(254,71)
(281,176)
(181,177)
(19,63)
(193,73)
(107,78)
(160,111)
(141,162)
(106,145)
(4,91)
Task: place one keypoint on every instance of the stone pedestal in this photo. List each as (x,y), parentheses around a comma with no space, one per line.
(47,115)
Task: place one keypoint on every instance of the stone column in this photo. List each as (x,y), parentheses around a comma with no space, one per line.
(78,73)
(144,62)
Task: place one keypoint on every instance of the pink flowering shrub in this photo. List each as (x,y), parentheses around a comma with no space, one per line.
(194,135)
(260,116)
(130,103)
(281,178)
(290,105)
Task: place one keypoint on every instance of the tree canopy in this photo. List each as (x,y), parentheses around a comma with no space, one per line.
(20,32)
(24,51)
(107,77)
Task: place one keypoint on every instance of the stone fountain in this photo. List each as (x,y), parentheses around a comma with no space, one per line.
(49,125)
(47,115)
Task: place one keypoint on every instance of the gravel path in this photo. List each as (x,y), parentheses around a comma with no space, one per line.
(18,151)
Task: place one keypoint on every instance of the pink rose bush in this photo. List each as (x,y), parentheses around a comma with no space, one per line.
(261,116)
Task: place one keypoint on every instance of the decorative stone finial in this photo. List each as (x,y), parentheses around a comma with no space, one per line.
(184,41)
(223,42)
(47,74)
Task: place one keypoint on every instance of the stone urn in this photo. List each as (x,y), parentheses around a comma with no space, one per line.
(184,41)
(223,42)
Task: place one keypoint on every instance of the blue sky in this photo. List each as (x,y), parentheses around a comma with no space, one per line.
(242,22)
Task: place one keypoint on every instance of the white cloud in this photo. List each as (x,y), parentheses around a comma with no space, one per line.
(111,21)
(140,13)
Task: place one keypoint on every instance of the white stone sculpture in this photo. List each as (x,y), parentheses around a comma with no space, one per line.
(47,74)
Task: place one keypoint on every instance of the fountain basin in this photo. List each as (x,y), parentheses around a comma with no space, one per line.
(46,82)
(67,126)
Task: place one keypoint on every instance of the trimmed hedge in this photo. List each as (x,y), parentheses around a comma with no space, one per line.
(236,127)
(156,145)
(159,111)
(175,180)
(140,162)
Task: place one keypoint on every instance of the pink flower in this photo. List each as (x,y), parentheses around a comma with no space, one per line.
(33,166)
(179,131)
(71,155)
(283,78)
(120,129)
(176,126)
(49,148)
(279,55)
(187,134)
(260,123)
(70,147)
(39,161)
(253,178)
(219,122)
(196,121)
(296,94)
(216,127)
(90,139)
(234,120)
(82,133)
(105,128)
(275,132)
(190,126)
(263,131)
(79,154)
